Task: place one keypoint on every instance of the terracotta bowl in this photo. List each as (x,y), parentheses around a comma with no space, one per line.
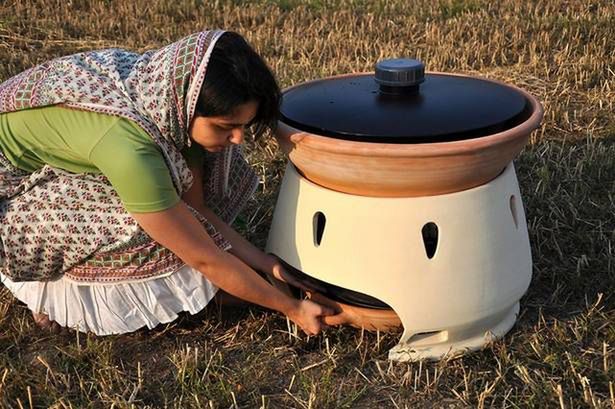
(406,170)
(359,317)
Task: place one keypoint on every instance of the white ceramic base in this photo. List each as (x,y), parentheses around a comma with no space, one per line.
(460,299)
(456,341)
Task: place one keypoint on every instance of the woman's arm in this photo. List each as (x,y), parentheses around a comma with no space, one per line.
(178,230)
(242,248)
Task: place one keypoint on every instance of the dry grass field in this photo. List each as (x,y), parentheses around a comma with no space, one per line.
(561,352)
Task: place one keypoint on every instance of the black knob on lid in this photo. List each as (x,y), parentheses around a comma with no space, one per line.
(399,75)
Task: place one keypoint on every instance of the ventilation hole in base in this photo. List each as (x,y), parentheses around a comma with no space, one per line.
(430,239)
(513,210)
(427,338)
(319,227)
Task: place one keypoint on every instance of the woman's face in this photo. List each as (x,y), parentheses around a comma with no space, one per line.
(214,133)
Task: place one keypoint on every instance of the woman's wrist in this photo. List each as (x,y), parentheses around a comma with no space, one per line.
(291,306)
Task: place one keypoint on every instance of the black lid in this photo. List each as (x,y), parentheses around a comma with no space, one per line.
(401,104)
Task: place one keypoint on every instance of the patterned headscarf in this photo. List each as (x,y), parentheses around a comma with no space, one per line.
(157,89)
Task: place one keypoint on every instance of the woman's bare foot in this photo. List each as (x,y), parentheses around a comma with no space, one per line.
(43,321)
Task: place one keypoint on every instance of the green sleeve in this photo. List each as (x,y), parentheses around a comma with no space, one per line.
(135,167)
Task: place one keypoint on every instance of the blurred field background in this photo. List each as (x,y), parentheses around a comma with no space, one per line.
(560,353)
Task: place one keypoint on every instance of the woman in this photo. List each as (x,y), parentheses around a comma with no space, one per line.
(119,176)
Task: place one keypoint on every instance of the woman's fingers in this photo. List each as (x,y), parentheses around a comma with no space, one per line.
(327,311)
(319,313)
(325,308)
(335,320)
(332,314)
(309,319)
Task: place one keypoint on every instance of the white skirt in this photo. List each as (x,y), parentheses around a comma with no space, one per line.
(116,308)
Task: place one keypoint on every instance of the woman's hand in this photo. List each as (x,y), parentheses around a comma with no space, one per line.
(309,316)
(279,273)
(312,316)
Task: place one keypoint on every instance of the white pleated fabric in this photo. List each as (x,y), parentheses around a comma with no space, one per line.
(105,309)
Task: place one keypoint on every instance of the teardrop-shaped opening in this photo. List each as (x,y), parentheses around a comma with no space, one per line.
(319,227)
(513,210)
(430,239)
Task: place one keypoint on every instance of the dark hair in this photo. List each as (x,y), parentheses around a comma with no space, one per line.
(236,74)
